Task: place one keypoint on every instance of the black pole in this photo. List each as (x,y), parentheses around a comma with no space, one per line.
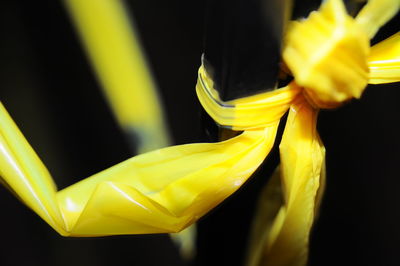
(242,45)
(243,41)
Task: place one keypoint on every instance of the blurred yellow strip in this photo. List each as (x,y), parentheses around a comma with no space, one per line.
(375,14)
(117,57)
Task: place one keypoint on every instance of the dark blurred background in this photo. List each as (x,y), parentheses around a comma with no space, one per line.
(48,87)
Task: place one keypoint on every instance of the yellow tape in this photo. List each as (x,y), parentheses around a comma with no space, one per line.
(157,192)
(252,112)
(328,53)
(384,61)
(302,161)
(169,189)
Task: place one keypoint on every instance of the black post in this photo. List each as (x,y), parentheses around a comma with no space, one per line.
(242,45)
(243,40)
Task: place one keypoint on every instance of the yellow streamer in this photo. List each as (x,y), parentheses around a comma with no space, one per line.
(115,52)
(375,14)
(329,56)
(302,164)
(168,189)
(384,61)
(117,57)
(157,192)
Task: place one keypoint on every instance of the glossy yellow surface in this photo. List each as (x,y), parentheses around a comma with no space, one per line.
(110,40)
(284,239)
(384,61)
(168,189)
(157,192)
(251,112)
(111,43)
(302,170)
(331,68)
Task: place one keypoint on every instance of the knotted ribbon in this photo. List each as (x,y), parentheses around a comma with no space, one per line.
(168,189)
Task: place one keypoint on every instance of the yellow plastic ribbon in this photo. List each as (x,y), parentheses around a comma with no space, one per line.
(115,53)
(329,56)
(157,192)
(302,157)
(168,189)
(111,42)
(384,61)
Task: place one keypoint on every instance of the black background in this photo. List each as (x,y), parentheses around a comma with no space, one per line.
(48,87)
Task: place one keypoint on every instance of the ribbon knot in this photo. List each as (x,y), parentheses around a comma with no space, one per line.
(327,54)
(168,189)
